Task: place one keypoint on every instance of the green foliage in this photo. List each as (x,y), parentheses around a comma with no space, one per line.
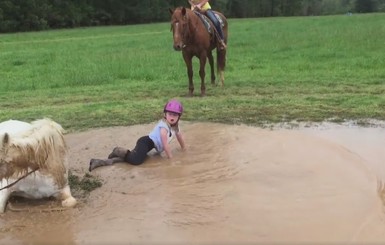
(365,6)
(36,15)
(83,186)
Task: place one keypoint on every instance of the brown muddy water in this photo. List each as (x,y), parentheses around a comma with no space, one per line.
(234,184)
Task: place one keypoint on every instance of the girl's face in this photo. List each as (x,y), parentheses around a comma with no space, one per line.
(172,117)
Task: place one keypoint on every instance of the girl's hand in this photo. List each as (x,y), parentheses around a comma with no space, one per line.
(176,162)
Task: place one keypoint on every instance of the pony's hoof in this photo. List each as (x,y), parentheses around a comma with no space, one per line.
(69,202)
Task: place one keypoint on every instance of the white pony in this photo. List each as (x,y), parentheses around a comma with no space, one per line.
(33,161)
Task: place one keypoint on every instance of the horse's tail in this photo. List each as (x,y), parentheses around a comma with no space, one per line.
(221,53)
(221,64)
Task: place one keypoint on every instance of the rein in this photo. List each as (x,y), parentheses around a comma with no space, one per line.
(12,184)
(187,34)
(192,32)
(186,29)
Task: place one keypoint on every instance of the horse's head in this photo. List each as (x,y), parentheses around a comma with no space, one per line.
(179,27)
(13,158)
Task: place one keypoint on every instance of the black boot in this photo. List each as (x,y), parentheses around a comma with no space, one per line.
(118,152)
(95,163)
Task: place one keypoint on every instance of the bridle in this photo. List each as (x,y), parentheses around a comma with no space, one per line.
(182,27)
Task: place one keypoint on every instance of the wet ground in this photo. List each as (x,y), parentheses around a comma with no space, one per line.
(234,184)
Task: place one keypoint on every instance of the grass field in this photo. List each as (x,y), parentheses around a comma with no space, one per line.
(278,70)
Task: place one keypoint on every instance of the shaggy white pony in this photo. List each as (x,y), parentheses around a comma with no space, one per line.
(33,161)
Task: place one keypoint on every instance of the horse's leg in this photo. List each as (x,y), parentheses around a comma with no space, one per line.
(188,60)
(211,62)
(221,63)
(202,73)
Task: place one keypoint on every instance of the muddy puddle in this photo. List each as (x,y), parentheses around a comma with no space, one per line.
(234,184)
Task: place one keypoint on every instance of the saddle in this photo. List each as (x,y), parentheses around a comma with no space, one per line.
(207,22)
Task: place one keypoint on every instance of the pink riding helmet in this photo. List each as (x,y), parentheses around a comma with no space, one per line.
(174,106)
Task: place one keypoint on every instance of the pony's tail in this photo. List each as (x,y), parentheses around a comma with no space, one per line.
(221,64)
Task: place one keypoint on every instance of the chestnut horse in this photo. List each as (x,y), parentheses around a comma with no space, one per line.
(193,38)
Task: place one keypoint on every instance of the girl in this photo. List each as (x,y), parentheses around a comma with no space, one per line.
(204,6)
(159,138)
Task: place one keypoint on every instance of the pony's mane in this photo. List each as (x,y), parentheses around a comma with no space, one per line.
(42,147)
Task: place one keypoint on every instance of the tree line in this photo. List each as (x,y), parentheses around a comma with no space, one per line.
(35,15)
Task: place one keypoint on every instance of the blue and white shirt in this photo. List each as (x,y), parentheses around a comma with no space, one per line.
(155,134)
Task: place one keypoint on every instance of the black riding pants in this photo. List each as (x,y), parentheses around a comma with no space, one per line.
(139,153)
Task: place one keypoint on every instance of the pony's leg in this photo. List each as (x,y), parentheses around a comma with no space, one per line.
(67,199)
(211,62)
(202,73)
(4,196)
(188,61)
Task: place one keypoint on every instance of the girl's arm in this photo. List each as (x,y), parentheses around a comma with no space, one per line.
(199,5)
(180,138)
(166,146)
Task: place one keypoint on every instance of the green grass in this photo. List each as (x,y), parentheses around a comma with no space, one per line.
(82,186)
(278,70)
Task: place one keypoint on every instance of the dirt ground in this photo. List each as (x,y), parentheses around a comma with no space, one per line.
(234,184)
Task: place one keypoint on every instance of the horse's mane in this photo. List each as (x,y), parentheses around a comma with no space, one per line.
(42,147)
